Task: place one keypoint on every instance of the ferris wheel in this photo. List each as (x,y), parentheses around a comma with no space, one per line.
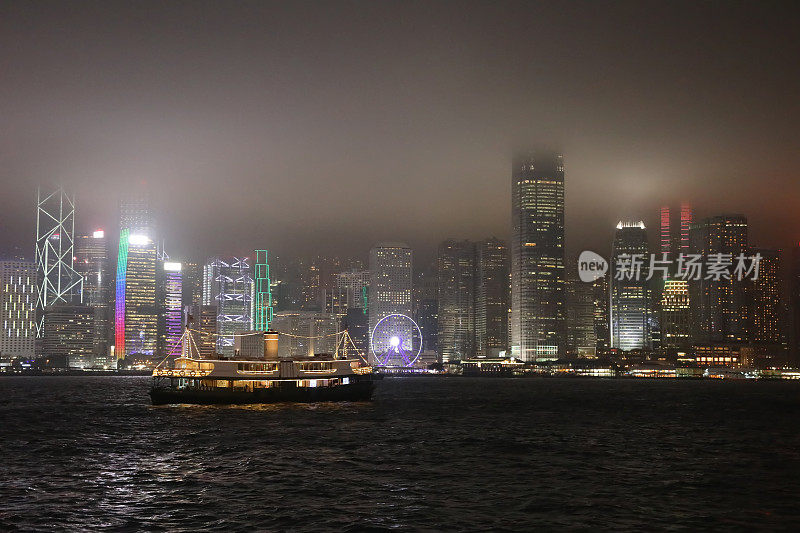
(392,341)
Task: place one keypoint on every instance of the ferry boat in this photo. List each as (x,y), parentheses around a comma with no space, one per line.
(269,380)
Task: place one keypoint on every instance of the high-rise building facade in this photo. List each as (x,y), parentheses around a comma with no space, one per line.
(675,318)
(390,267)
(426,307)
(57,281)
(136,309)
(69,336)
(18,308)
(766,301)
(629,309)
(456,270)
(537,258)
(228,284)
(719,306)
(93,263)
(136,300)
(602,331)
(581,337)
(491,297)
(171,308)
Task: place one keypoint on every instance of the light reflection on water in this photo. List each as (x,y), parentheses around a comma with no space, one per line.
(426,454)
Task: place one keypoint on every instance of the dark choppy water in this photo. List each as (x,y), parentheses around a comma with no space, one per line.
(80,453)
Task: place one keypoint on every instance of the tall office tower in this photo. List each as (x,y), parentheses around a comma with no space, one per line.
(228,284)
(57,281)
(136,310)
(600,298)
(766,302)
(426,307)
(18,308)
(93,263)
(718,307)
(136,301)
(352,289)
(456,268)
(674,310)
(192,282)
(69,336)
(687,217)
(629,308)
(262,293)
(491,297)
(581,337)
(666,235)
(537,258)
(390,267)
(171,317)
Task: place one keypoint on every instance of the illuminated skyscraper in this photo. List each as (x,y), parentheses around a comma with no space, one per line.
(456,267)
(68,338)
(228,284)
(491,297)
(687,217)
(629,309)
(172,308)
(581,337)
(426,307)
(675,318)
(537,258)
(17,308)
(136,306)
(719,307)
(390,266)
(666,235)
(57,281)
(766,301)
(93,263)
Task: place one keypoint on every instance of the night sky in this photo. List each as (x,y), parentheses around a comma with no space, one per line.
(324,127)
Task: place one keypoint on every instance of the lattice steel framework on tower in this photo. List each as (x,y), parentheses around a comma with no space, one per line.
(57,280)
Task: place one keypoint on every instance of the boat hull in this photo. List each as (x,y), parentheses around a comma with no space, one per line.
(353,392)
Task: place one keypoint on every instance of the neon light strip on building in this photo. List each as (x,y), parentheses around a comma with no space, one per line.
(263,295)
(119,310)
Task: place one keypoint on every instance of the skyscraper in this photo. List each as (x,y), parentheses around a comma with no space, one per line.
(172,308)
(456,268)
(766,302)
(136,305)
(687,217)
(666,235)
(629,309)
(674,310)
(228,284)
(57,281)
(390,266)
(537,258)
(581,337)
(491,297)
(93,263)
(718,307)
(18,308)
(426,307)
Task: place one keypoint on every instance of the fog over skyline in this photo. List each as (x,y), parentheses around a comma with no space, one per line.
(311,127)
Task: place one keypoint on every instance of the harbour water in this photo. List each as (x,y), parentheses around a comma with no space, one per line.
(427,453)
